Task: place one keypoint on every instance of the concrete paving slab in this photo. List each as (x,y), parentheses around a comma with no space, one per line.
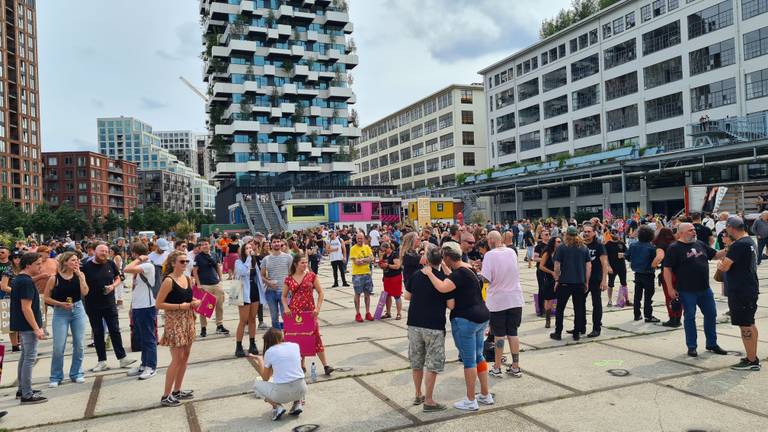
(624,320)
(67,402)
(495,421)
(646,407)
(338,405)
(585,366)
(742,389)
(400,346)
(167,420)
(363,358)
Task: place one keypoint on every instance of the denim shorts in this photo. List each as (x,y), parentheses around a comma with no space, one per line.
(469,338)
(362,284)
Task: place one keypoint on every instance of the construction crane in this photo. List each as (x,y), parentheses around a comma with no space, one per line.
(193,88)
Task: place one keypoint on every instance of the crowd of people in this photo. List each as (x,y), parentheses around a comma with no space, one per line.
(469,272)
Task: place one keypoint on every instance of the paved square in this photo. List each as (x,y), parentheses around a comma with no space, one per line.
(665,389)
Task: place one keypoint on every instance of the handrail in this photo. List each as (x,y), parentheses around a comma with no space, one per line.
(246,213)
(264,218)
(283,225)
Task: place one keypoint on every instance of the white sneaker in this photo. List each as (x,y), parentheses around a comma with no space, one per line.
(466,405)
(100,367)
(496,373)
(485,400)
(53,384)
(125,362)
(79,380)
(136,371)
(277,413)
(147,374)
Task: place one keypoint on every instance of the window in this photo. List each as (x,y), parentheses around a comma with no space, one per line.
(618,25)
(529,115)
(430,106)
(431,146)
(405,171)
(555,107)
(469,159)
(630,20)
(526,66)
(466,96)
(418,150)
(710,19)
(405,136)
(505,98)
(446,141)
(556,134)
(394,174)
(673,4)
(593,37)
(607,31)
(530,141)
(553,54)
(506,147)
(555,79)
(52,161)
(468,138)
(753,8)
(585,67)
(319,210)
(505,122)
(448,161)
(659,7)
(417,131)
(430,126)
(394,157)
(713,95)
(444,100)
(673,139)
(574,44)
(583,41)
(528,89)
(622,118)
(620,54)
(757,84)
(405,154)
(544,59)
(561,50)
(418,168)
(586,97)
(467,117)
(645,13)
(446,120)
(663,73)
(664,107)
(712,57)
(661,38)
(756,43)
(585,127)
(621,86)
(433,165)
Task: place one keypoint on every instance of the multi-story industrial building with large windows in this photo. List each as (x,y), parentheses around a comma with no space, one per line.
(623,109)
(279,93)
(20,147)
(426,144)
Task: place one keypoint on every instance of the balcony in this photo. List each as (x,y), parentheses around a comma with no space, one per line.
(237,126)
(336,17)
(708,133)
(340,92)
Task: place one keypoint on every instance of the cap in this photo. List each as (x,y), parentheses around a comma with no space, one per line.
(735,222)
(163,245)
(572,231)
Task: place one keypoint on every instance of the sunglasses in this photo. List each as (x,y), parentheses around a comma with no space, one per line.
(183,261)
(469,242)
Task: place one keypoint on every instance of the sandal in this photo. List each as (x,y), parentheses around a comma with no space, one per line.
(434,408)
(386,316)
(418,400)
(398,317)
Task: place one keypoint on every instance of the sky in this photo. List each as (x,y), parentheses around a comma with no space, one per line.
(111,58)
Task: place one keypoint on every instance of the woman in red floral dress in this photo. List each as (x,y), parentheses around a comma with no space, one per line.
(301,283)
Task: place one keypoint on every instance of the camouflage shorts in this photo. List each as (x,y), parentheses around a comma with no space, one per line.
(426,348)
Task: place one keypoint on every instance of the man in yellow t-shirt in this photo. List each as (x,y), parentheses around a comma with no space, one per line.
(361,256)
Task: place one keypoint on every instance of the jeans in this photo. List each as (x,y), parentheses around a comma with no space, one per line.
(144,321)
(563,293)
(275,303)
(761,245)
(338,267)
(96,318)
(63,320)
(705,300)
(645,287)
(27,359)
(597,309)
(469,338)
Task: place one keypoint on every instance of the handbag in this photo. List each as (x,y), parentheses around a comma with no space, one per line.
(236,295)
(718,276)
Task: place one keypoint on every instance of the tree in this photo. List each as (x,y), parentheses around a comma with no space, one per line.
(461,178)
(275,97)
(11,217)
(73,221)
(240,26)
(136,220)
(477,217)
(298,114)
(292,150)
(253,147)
(113,222)
(270,20)
(246,108)
(183,229)
(43,221)
(288,66)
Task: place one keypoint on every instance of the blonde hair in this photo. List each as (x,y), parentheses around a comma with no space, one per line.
(406,245)
(168,264)
(573,240)
(63,258)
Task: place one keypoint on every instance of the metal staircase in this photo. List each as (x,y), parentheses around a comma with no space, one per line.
(708,133)
(253,212)
(273,216)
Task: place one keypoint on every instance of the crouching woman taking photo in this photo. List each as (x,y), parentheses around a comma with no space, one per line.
(281,363)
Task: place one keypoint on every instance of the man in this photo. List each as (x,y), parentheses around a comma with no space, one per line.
(644,257)
(207,276)
(721,222)
(143,311)
(5,265)
(598,280)
(528,243)
(27,320)
(760,230)
(375,237)
(454,234)
(102,277)
(762,202)
(703,233)
(275,267)
(337,255)
(504,299)
(688,260)
(362,282)
(509,239)
(426,330)
(467,244)
(740,268)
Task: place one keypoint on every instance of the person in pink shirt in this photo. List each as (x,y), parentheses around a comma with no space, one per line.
(504,300)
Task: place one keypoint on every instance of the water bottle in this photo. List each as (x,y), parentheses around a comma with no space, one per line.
(313,372)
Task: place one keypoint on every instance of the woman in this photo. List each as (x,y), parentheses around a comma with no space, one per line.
(538,252)
(469,318)
(5,286)
(571,264)
(393,278)
(410,260)
(233,252)
(547,269)
(300,283)
(64,292)
(282,363)
(664,238)
(313,254)
(252,290)
(116,255)
(175,298)
(615,249)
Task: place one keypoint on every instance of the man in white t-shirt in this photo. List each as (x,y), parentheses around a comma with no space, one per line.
(504,300)
(143,311)
(337,254)
(375,237)
(161,252)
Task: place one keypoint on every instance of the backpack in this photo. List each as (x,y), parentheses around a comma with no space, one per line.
(155,285)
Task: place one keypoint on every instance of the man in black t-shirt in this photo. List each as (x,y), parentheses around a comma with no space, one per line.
(102,277)
(598,280)
(688,260)
(27,320)
(703,233)
(740,269)
(426,330)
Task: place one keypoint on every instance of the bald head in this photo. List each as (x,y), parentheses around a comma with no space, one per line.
(494,239)
(686,233)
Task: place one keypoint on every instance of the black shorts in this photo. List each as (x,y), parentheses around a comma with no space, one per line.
(506,322)
(743,308)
